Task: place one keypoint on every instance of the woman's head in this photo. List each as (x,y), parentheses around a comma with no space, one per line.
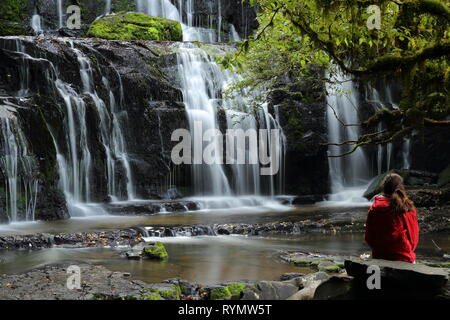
(393,187)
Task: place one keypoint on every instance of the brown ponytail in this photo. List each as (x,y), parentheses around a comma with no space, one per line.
(393,188)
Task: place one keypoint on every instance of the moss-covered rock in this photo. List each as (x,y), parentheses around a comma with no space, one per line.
(236,288)
(156,251)
(12,17)
(135,26)
(375,186)
(220,293)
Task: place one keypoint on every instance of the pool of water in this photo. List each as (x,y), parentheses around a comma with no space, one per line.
(204,259)
(207,259)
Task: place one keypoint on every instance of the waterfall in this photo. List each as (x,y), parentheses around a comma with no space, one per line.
(17,167)
(384,152)
(114,144)
(202,84)
(108,7)
(234,36)
(406,154)
(59,8)
(165,9)
(36,24)
(350,174)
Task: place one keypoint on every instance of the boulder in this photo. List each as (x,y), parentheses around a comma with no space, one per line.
(375,186)
(398,280)
(290,276)
(444,177)
(309,285)
(157,251)
(135,26)
(270,290)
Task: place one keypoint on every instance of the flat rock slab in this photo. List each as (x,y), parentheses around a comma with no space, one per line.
(407,275)
(270,290)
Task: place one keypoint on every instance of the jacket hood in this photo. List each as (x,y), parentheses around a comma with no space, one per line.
(381,203)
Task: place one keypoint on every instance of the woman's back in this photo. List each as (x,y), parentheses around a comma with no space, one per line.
(391,235)
(392,229)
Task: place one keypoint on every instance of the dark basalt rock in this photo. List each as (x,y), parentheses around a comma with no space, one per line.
(399,280)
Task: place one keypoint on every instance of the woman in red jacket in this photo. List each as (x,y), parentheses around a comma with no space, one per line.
(392,230)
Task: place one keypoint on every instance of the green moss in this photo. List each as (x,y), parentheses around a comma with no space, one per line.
(151,296)
(219,293)
(236,288)
(299,262)
(171,294)
(135,26)
(439,265)
(334,268)
(157,251)
(12,17)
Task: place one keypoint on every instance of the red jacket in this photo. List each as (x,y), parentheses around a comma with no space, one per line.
(391,236)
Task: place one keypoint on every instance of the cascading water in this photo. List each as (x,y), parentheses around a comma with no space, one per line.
(202,84)
(36,24)
(17,168)
(59,8)
(183,11)
(108,7)
(350,174)
(114,144)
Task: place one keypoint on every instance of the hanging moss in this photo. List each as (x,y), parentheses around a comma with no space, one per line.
(135,26)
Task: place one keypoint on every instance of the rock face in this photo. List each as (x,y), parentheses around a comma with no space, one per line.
(303,121)
(137,70)
(399,280)
(213,14)
(135,26)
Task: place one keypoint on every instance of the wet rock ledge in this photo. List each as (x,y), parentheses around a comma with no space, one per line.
(399,280)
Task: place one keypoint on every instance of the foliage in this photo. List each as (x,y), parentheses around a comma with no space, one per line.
(12,17)
(299,39)
(156,251)
(135,26)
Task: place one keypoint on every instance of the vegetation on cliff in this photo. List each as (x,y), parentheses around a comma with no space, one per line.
(135,26)
(411,43)
(12,16)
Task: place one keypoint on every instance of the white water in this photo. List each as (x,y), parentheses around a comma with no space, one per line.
(17,166)
(110,127)
(349,175)
(36,24)
(183,11)
(59,8)
(234,36)
(108,7)
(202,83)
(74,157)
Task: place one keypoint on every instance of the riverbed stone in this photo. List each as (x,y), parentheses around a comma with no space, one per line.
(155,251)
(290,276)
(309,284)
(269,290)
(135,26)
(326,263)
